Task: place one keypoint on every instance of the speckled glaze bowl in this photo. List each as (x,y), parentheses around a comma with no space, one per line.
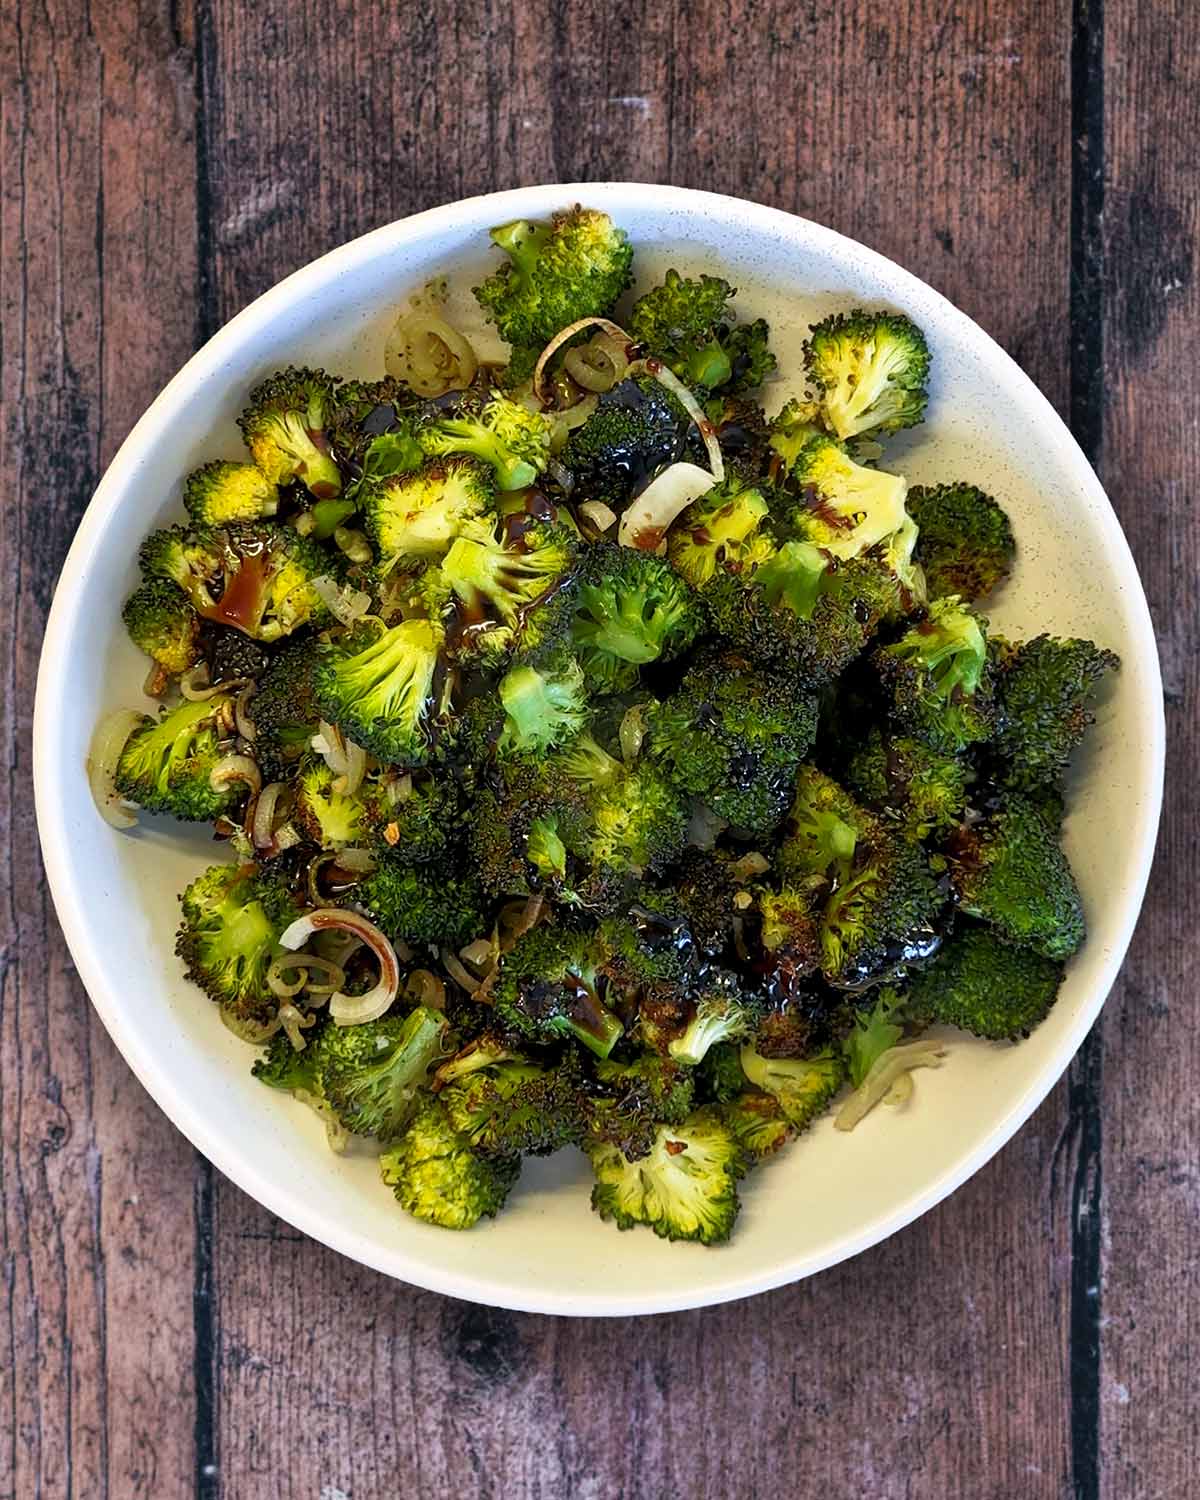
(830,1195)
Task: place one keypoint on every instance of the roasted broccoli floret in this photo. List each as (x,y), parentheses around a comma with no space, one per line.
(416,817)
(1010,871)
(438,1176)
(524,833)
(844,507)
(284,428)
(332,818)
(284,711)
(822,829)
(790,430)
(733,737)
(232,918)
(387,697)
(870,369)
(543,706)
(757,1122)
(924,790)
(516,1106)
(422,906)
(718,530)
(688,325)
(637,820)
(282,1067)
(220,493)
(938,678)
(550,988)
(631,608)
(719,1078)
(167,764)
(416,515)
(880,917)
(1044,688)
(802,1086)
(257,578)
(965,541)
(371,1074)
(162,623)
(513,439)
(628,1101)
(574,267)
(684,1188)
(720,1012)
(637,429)
(790,932)
(647,941)
(986,986)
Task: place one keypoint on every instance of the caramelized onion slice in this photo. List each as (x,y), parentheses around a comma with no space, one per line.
(351,1010)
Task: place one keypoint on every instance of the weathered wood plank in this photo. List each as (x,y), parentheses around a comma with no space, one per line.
(97,274)
(1150,1423)
(939,137)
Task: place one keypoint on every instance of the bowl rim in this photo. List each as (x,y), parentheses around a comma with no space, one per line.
(240,1167)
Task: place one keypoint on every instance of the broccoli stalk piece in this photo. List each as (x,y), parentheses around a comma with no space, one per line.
(803,1087)
(421,907)
(1010,872)
(285,430)
(937,674)
(414,516)
(574,267)
(718,530)
(162,623)
(720,1014)
(385,697)
(734,738)
(684,1188)
(543,707)
(330,817)
(256,578)
(964,539)
(513,1106)
(167,764)
(986,986)
(1044,689)
(632,608)
(371,1074)
(871,370)
(439,1177)
(510,437)
(220,493)
(232,919)
(550,988)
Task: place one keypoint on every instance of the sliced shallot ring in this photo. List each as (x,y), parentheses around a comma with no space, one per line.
(648,515)
(351,1010)
(703,426)
(236,768)
(262,825)
(564,335)
(103,755)
(881,1078)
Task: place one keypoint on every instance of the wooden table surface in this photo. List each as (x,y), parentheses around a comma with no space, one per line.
(165,161)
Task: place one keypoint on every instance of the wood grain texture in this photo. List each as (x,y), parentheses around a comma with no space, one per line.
(97,291)
(1150,1422)
(163,163)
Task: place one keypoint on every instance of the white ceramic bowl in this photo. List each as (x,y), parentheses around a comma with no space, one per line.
(830,1195)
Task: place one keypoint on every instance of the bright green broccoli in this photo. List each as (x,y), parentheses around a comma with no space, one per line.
(543,706)
(822,831)
(924,789)
(965,541)
(419,906)
(220,493)
(513,439)
(167,764)
(734,737)
(257,578)
(688,325)
(439,1177)
(550,988)
(284,428)
(638,821)
(632,608)
(1044,688)
(330,817)
(986,986)
(232,918)
(803,1087)
(281,1066)
(718,530)
(870,369)
(371,1074)
(574,267)
(684,1188)
(720,1012)
(162,623)
(1009,871)
(416,515)
(387,697)
(938,678)
(636,429)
